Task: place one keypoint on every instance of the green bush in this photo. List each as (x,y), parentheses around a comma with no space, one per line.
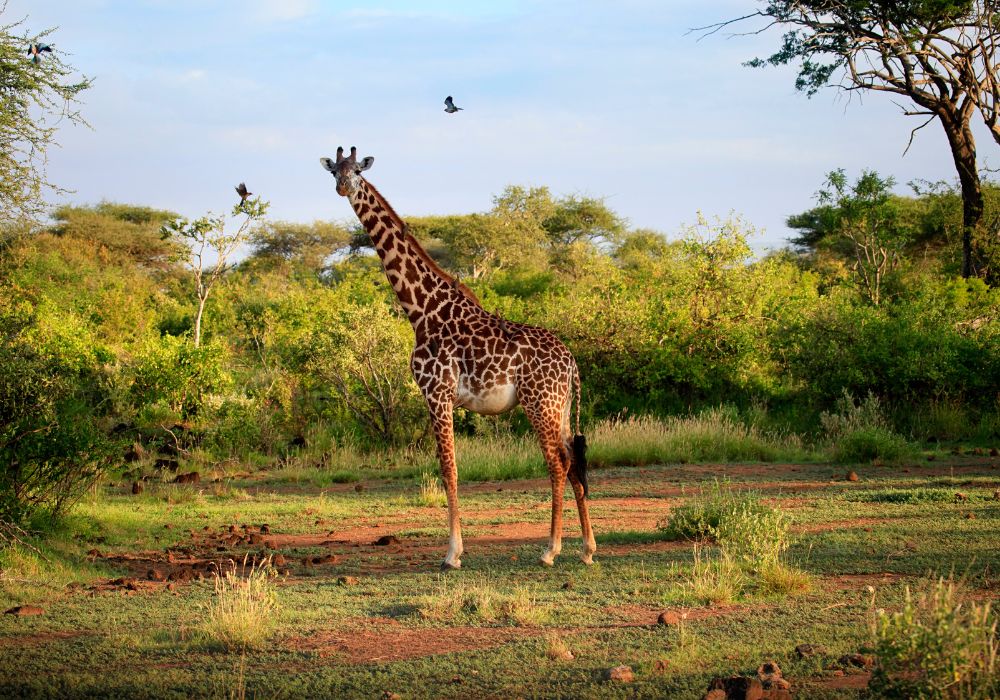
(937,647)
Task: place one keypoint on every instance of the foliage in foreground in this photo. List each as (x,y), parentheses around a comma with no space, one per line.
(938,647)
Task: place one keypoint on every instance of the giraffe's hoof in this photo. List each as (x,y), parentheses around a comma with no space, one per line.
(547,559)
(448,566)
(587,558)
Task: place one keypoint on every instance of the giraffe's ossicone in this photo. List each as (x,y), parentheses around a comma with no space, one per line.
(465,356)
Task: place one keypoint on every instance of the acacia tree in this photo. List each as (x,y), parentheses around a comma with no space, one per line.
(208,235)
(940,54)
(35,96)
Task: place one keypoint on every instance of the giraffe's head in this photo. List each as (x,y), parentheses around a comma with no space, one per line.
(347,170)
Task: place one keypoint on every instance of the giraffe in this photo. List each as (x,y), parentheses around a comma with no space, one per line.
(464,356)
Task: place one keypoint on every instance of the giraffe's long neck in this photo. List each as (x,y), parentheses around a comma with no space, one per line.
(420,285)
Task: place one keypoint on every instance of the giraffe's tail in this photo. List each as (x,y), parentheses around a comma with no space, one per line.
(579,462)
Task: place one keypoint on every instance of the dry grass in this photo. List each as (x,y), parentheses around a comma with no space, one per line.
(718,581)
(242,613)
(431,494)
(556,649)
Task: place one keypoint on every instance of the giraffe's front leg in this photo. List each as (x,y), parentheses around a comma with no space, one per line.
(441,416)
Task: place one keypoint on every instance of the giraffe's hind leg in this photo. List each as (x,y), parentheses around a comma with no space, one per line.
(589,543)
(548,427)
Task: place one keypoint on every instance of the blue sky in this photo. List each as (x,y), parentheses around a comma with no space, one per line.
(614,100)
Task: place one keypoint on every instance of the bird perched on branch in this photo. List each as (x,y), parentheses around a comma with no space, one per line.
(36,50)
(449,106)
(241,190)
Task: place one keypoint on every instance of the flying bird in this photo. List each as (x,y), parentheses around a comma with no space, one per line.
(35,51)
(449,106)
(241,190)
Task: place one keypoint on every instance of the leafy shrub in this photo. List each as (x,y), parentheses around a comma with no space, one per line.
(937,647)
(858,431)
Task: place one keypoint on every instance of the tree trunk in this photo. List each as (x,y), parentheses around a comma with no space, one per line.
(197,322)
(963,150)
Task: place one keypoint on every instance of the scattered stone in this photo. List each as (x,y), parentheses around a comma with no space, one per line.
(156,575)
(168,526)
(568,586)
(387,695)
(125,582)
(865,661)
(662,666)
(837,673)
(188,478)
(347,581)
(183,575)
(326,559)
(166,463)
(265,529)
(171,586)
(25,610)
(960,497)
(807,650)
(256,539)
(386,540)
(621,674)
(970,516)
(136,488)
(738,688)
(768,671)
(457,680)
(669,617)
(717,694)
(853,476)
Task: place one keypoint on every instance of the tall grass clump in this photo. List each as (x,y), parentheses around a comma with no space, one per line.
(752,537)
(937,647)
(498,457)
(858,431)
(431,494)
(713,435)
(481,602)
(715,580)
(241,614)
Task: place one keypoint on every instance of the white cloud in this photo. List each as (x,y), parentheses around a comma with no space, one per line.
(283,10)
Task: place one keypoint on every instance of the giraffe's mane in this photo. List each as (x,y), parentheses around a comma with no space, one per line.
(419,249)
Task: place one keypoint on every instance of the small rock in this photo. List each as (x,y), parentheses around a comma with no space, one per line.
(662,666)
(188,478)
(568,586)
(669,617)
(387,695)
(717,694)
(768,671)
(837,673)
(457,680)
(865,661)
(806,650)
(739,687)
(265,529)
(25,610)
(347,581)
(970,516)
(156,575)
(386,540)
(853,476)
(621,674)
(136,488)
(961,497)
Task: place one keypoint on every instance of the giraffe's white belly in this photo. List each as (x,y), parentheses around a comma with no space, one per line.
(493,400)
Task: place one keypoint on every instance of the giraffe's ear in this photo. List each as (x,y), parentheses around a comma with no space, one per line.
(366,163)
(328,164)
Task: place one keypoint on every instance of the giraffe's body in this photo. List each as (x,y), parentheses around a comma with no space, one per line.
(466,357)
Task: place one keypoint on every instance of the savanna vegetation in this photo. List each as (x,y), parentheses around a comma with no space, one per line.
(218,477)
